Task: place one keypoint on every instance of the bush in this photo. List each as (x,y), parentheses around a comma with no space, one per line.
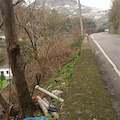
(2,77)
(2,81)
(101,29)
(77,42)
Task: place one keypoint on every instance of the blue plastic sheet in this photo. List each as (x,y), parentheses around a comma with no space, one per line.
(40,118)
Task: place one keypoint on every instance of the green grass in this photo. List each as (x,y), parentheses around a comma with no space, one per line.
(87,98)
(3,84)
(2,44)
(64,73)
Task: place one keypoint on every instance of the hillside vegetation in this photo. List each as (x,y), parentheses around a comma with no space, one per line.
(114,17)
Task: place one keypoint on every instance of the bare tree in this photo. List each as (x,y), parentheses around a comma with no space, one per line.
(3,103)
(15,59)
(40,26)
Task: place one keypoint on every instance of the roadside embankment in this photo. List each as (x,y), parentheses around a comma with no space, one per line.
(87,97)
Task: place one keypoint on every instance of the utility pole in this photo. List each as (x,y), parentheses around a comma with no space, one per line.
(80,15)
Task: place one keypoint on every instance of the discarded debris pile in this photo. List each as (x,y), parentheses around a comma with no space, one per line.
(49,102)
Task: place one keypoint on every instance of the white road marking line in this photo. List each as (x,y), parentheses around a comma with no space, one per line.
(110,61)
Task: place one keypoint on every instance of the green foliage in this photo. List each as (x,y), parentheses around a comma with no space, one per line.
(106,24)
(67,24)
(2,77)
(65,73)
(77,42)
(101,29)
(54,22)
(114,14)
(56,103)
(88,24)
(2,44)
(49,117)
(2,84)
(116,23)
(2,81)
(37,114)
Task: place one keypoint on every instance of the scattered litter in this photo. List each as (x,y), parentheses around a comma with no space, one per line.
(55,115)
(49,87)
(40,118)
(48,93)
(58,79)
(34,98)
(42,94)
(48,108)
(52,108)
(63,83)
(42,106)
(46,100)
(57,92)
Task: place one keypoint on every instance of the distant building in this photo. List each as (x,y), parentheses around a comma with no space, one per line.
(6,71)
(2,39)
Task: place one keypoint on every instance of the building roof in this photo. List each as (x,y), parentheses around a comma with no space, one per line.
(5,66)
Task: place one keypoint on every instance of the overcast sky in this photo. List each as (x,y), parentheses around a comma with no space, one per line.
(102,4)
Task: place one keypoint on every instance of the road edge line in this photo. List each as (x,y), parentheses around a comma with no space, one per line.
(110,61)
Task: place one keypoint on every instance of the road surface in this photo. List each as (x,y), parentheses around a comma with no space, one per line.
(111,46)
(107,53)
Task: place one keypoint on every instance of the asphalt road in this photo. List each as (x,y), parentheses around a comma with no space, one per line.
(111,46)
(107,53)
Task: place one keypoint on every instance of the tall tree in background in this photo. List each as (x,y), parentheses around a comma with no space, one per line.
(114,13)
(14,55)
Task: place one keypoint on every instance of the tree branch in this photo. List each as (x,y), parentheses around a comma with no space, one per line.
(19,1)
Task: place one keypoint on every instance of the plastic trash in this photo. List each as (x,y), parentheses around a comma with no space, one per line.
(57,92)
(52,108)
(34,98)
(48,93)
(55,115)
(40,118)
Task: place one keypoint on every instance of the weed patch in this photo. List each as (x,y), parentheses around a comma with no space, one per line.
(2,84)
(63,76)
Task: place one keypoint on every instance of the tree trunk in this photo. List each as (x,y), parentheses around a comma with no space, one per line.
(3,103)
(15,59)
